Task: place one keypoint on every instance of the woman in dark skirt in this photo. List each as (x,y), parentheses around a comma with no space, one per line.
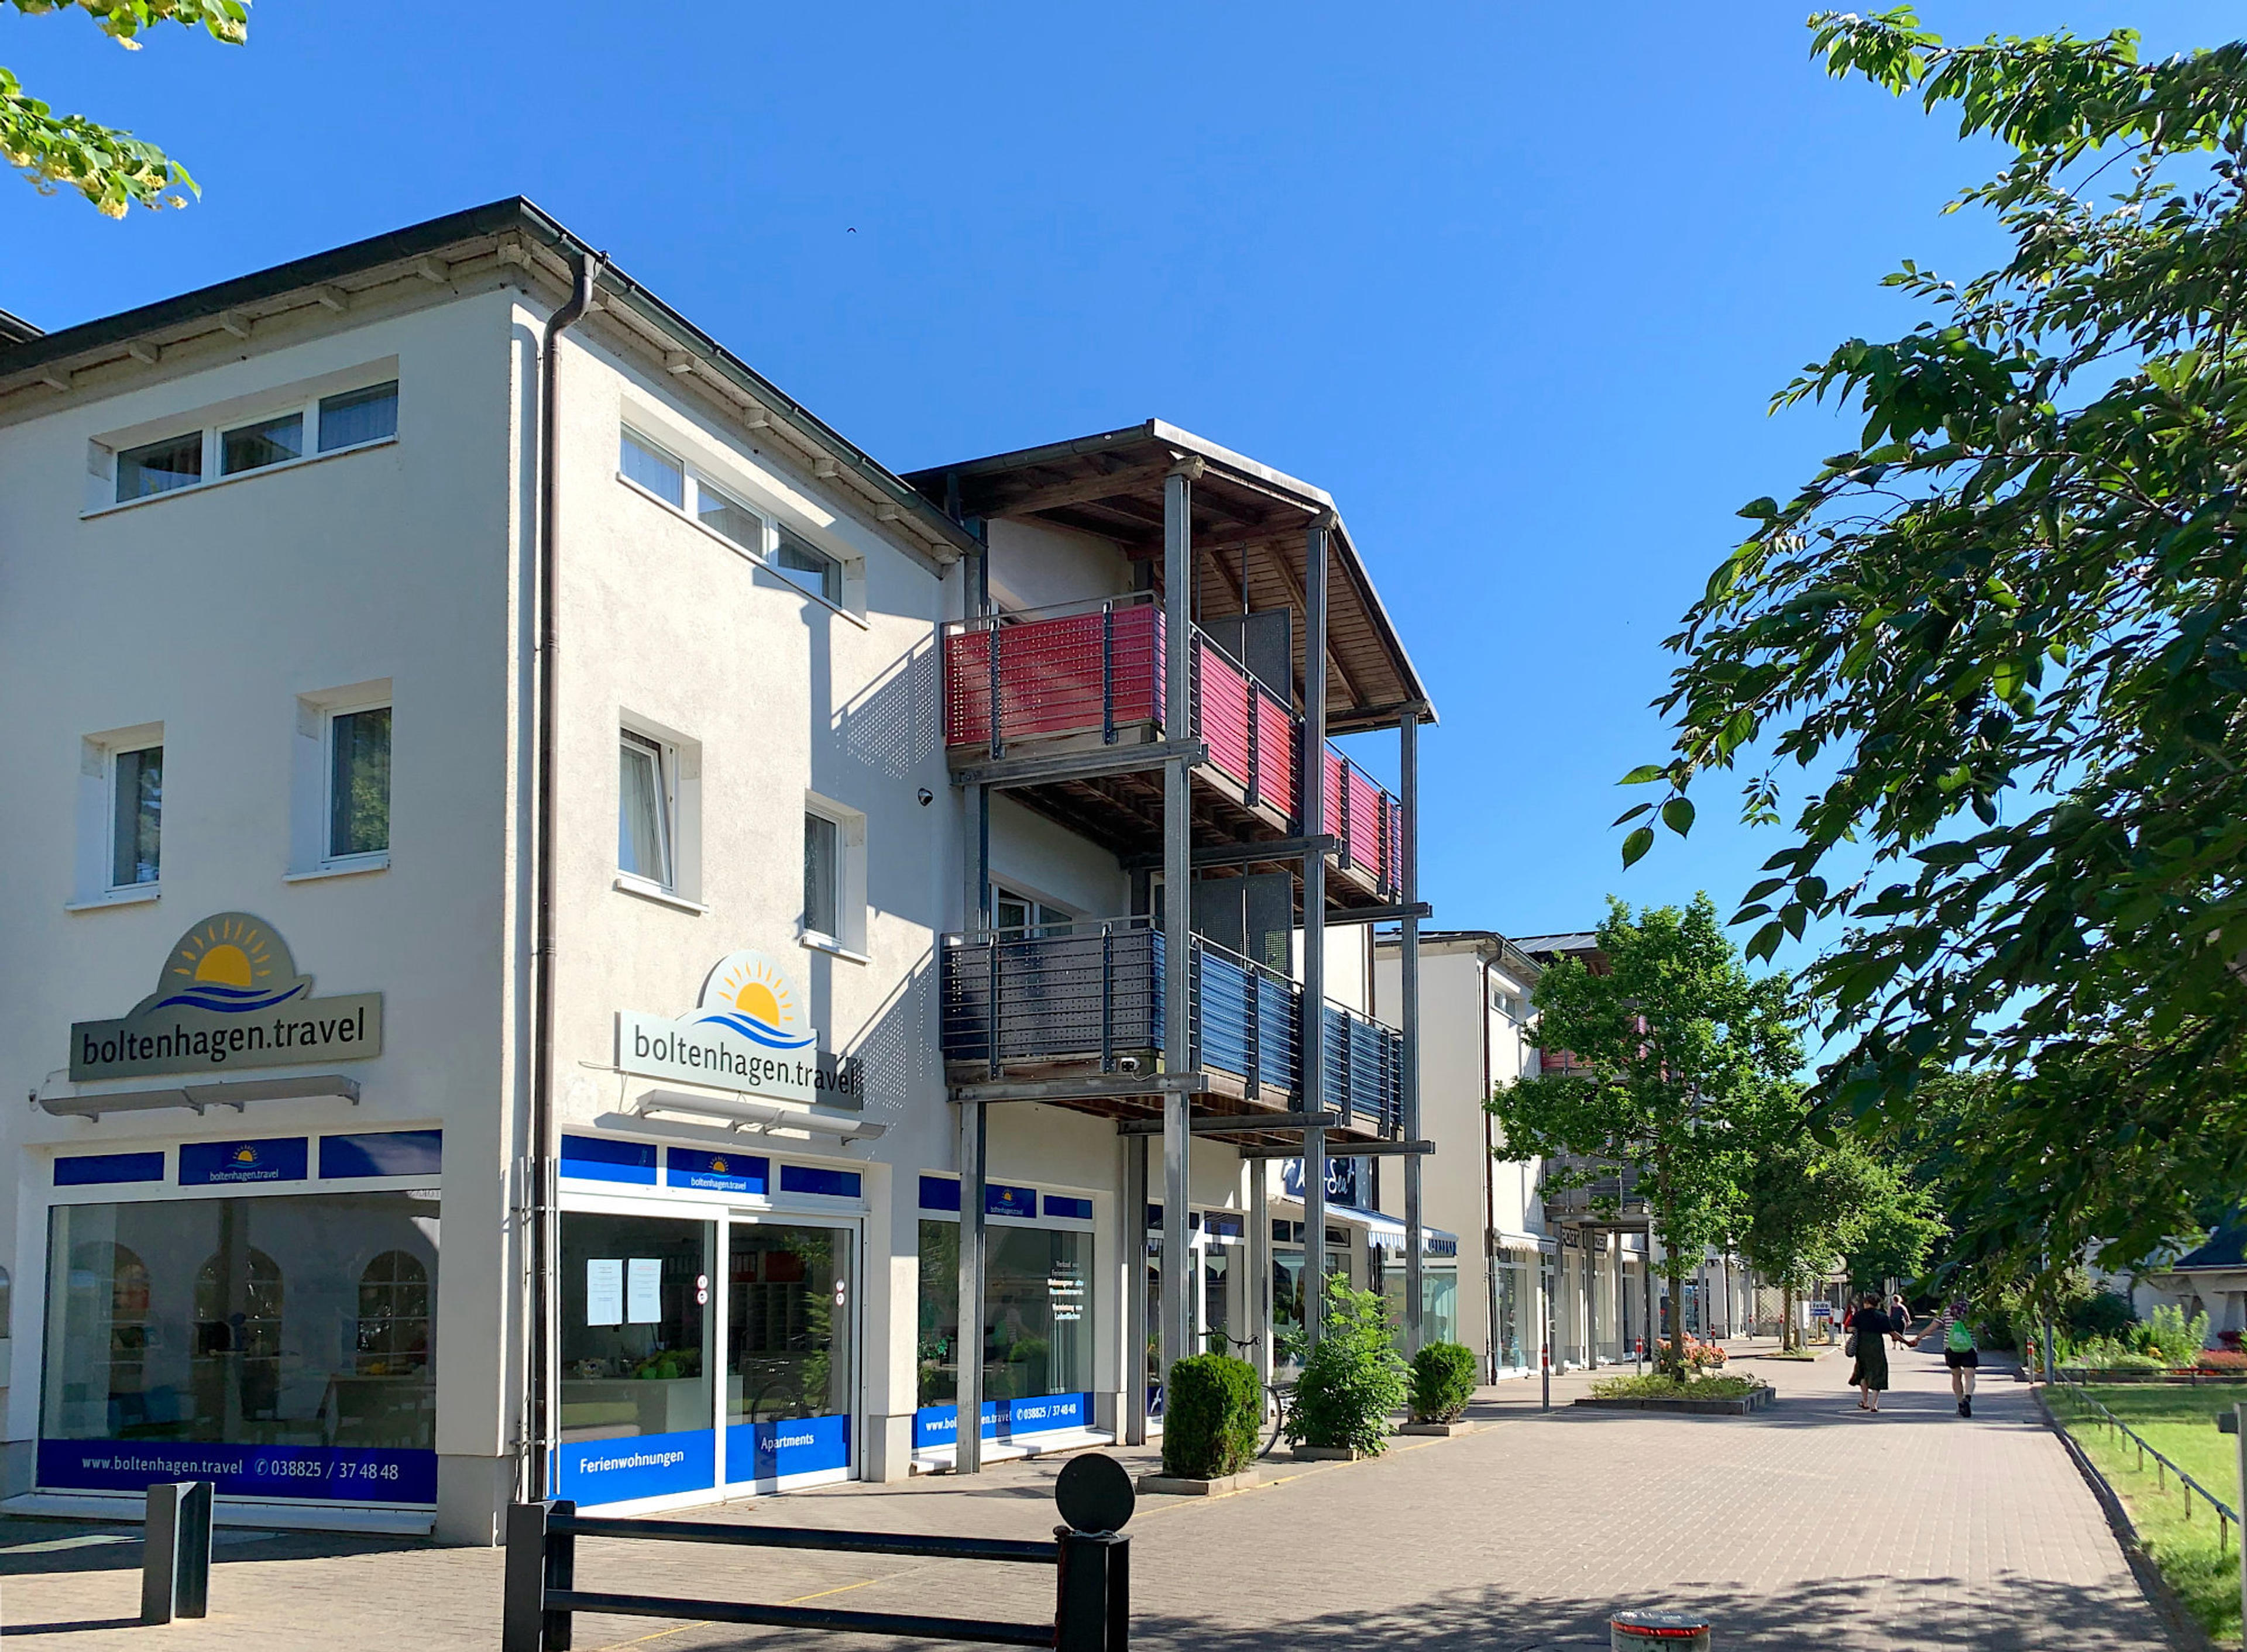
(1871,1326)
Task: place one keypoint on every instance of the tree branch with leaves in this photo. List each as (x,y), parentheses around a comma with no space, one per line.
(112,168)
(2009,630)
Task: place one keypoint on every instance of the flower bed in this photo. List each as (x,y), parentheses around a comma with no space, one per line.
(1706,1395)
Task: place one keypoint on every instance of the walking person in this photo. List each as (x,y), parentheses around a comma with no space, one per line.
(1899,1314)
(1869,1331)
(1958,1353)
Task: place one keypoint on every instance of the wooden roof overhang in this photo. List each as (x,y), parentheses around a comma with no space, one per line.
(1250,540)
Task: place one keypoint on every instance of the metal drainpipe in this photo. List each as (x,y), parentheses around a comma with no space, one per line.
(541,1331)
(1488,1181)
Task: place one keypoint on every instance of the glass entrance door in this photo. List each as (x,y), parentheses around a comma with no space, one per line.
(790,1371)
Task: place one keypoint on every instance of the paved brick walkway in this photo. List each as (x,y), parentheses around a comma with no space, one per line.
(1913,1530)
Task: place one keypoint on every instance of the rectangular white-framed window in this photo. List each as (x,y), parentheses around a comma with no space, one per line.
(291,427)
(805,566)
(136,816)
(834,916)
(359,783)
(120,817)
(1012,910)
(339,787)
(647,792)
(655,468)
(658,812)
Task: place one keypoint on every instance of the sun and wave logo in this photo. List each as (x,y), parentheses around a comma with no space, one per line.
(231,963)
(245,1155)
(748,993)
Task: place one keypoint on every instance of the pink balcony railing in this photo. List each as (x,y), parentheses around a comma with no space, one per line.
(1095,669)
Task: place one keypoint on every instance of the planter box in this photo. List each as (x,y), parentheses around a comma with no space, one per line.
(2080,1374)
(1331,1454)
(1755,1401)
(1443,1430)
(1168,1485)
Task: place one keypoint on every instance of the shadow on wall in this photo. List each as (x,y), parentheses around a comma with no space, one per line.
(896,725)
(896,1047)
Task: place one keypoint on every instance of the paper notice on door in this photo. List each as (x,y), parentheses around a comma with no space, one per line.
(604,1290)
(643,1290)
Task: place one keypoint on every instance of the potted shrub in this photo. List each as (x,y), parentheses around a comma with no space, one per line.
(1443,1381)
(1351,1380)
(1211,1409)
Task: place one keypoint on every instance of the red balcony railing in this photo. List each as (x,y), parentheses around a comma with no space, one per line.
(1082,672)
(1094,669)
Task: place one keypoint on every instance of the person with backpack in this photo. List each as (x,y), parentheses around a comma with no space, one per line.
(1958,1353)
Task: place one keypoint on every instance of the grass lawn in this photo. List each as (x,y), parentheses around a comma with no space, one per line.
(2181,1423)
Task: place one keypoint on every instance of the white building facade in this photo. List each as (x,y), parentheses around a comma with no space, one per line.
(327,1044)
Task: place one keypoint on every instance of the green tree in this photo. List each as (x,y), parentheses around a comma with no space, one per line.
(2008,631)
(1806,1201)
(111,168)
(1896,1232)
(1675,1055)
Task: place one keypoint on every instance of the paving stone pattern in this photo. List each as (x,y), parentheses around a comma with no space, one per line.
(1809,1523)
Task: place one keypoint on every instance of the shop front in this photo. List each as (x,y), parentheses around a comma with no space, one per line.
(708,1338)
(1036,1340)
(259,1313)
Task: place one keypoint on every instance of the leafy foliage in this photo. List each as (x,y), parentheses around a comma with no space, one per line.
(1443,1382)
(111,168)
(1211,1409)
(1674,1058)
(2010,624)
(1659,1385)
(1352,1380)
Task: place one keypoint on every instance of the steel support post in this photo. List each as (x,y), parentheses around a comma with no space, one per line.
(1258,1300)
(1648,1285)
(967,1355)
(1408,776)
(1133,1221)
(1178,912)
(1315,937)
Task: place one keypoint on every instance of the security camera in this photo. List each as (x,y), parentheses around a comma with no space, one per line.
(1129,1065)
(926,796)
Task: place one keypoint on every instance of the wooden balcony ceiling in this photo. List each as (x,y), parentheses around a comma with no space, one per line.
(1123,813)
(1249,527)
(1226,1098)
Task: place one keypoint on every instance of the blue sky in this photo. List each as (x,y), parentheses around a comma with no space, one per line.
(1514,282)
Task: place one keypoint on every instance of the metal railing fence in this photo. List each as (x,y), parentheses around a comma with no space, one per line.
(2226,1516)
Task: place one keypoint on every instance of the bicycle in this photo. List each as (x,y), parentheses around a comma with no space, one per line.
(1278,1395)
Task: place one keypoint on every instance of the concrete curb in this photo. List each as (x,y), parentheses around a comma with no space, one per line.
(1755,1401)
(1441,1431)
(1182,1485)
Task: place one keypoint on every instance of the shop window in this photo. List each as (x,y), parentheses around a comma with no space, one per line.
(237,1365)
(787,1346)
(175,1320)
(393,1315)
(635,1292)
(1037,1313)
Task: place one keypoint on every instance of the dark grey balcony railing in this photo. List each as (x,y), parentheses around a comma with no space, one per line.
(1090,994)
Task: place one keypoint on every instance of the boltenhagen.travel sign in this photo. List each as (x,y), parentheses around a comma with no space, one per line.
(229,995)
(750,1031)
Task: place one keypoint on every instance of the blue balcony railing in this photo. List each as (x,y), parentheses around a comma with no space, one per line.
(1089,996)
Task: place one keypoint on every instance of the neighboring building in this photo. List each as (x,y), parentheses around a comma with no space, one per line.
(2210,1279)
(361,1177)
(1484,1287)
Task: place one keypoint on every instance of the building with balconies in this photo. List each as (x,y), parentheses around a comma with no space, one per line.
(1161,637)
(575,934)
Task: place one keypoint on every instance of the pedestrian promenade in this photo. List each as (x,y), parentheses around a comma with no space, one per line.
(1809,1523)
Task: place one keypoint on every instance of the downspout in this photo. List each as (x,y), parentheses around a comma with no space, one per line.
(1489,1177)
(541,1332)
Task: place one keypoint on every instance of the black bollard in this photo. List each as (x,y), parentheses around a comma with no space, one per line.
(175,1551)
